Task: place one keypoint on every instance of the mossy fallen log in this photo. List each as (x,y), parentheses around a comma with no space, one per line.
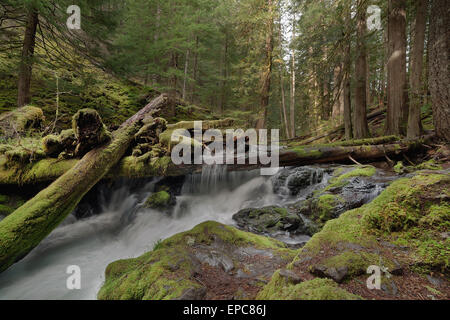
(26,227)
(48,170)
(21,121)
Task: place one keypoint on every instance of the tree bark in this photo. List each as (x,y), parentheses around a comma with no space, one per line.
(366,149)
(292,102)
(186,68)
(360,126)
(26,227)
(26,63)
(415,100)
(346,81)
(439,49)
(397,109)
(284,118)
(267,70)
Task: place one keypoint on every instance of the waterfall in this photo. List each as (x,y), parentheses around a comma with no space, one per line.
(124,229)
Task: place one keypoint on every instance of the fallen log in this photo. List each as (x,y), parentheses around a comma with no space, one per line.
(48,170)
(328,133)
(26,227)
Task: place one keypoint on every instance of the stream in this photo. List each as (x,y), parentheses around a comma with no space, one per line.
(124,229)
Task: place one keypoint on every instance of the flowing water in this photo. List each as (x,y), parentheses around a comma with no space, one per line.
(125,230)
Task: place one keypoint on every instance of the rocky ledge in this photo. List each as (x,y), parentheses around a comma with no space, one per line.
(404,232)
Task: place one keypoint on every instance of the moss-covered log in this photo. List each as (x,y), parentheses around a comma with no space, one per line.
(21,121)
(26,227)
(48,170)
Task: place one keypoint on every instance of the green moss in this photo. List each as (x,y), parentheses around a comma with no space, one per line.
(51,145)
(158,200)
(399,168)
(21,120)
(357,262)
(207,232)
(412,212)
(350,143)
(5,210)
(317,289)
(307,152)
(325,207)
(166,272)
(341,179)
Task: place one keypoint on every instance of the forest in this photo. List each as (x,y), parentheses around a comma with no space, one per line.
(94,93)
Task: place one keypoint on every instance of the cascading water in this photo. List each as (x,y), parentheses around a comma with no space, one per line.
(124,229)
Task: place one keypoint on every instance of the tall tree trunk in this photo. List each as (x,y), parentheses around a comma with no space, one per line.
(26,63)
(186,68)
(439,49)
(360,126)
(347,108)
(223,82)
(292,102)
(267,71)
(397,109)
(337,96)
(346,81)
(415,100)
(283,113)
(195,70)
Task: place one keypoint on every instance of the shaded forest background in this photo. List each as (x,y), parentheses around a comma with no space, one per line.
(299,65)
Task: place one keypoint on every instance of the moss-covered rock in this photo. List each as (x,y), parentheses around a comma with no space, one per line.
(159,200)
(268,220)
(410,213)
(21,121)
(279,288)
(348,188)
(172,269)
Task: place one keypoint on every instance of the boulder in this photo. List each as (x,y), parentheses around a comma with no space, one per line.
(268,220)
(211,261)
(293,180)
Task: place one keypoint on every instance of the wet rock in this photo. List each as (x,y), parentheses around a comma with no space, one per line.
(268,220)
(216,259)
(336,274)
(397,269)
(290,276)
(388,286)
(219,262)
(302,260)
(434,281)
(193,294)
(342,193)
(293,180)
(161,200)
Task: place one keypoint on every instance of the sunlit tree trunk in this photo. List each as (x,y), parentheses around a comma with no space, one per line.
(267,70)
(439,49)
(360,127)
(415,100)
(397,109)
